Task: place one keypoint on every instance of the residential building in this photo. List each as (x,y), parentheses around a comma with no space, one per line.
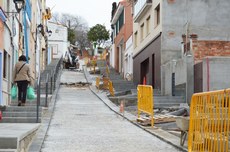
(122,28)
(18,36)
(157,30)
(58,41)
(208,56)
(9,48)
(3,88)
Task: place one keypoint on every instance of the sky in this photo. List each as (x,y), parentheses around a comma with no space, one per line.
(93,11)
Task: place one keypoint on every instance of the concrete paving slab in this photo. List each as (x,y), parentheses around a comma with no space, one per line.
(163,135)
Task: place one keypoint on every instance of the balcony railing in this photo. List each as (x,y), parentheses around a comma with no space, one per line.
(140,8)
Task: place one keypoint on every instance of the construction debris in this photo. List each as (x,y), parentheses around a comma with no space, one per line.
(159,118)
(77,84)
(164,116)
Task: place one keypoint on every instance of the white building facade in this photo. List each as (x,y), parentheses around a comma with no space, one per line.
(58,41)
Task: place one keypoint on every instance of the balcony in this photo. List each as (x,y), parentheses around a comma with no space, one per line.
(140,9)
(117,14)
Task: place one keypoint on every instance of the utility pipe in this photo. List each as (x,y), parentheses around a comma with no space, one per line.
(208,75)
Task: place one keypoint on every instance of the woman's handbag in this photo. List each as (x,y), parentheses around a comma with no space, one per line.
(30,93)
(13,92)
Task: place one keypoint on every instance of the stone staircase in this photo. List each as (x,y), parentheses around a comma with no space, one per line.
(127,92)
(119,84)
(22,114)
(28,113)
(50,71)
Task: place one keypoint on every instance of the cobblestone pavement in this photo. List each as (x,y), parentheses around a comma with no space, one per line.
(82,123)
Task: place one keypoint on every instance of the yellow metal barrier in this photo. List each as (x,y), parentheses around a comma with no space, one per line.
(111,90)
(98,82)
(105,83)
(210,122)
(86,60)
(93,64)
(145,101)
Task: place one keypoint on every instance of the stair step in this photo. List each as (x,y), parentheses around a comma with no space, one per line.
(20,120)
(8,150)
(30,104)
(22,108)
(20,114)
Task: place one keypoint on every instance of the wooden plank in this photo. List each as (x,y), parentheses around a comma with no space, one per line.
(165,120)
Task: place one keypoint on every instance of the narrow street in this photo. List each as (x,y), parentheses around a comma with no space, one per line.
(83,123)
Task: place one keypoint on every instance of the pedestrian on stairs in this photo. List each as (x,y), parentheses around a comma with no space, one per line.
(22,77)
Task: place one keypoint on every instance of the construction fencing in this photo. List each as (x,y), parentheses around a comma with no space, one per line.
(210,122)
(107,84)
(145,101)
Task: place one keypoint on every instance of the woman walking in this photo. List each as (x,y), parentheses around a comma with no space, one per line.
(22,76)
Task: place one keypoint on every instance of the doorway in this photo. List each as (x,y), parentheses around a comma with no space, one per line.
(153,70)
(117,59)
(145,71)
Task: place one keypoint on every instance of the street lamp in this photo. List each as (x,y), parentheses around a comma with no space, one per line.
(19,4)
(49,32)
(40,28)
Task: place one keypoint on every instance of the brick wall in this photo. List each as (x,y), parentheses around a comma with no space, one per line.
(201,49)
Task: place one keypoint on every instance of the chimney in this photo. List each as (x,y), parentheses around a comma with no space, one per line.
(193,37)
(184,38)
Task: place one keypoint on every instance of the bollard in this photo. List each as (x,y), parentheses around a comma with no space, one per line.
(0,115)
(122,107)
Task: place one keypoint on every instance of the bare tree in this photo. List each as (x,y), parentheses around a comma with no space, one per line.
(77,29)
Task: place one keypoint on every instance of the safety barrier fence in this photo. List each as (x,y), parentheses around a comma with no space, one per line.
(111,90)
(107,84)
(93,66)
(145,101)
(97,82)
(210,122)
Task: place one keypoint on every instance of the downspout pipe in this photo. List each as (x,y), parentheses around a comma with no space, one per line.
(208,74)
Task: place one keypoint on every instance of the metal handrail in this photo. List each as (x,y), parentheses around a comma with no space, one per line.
(51,82)
(38,96)
(47,80)
(55,72)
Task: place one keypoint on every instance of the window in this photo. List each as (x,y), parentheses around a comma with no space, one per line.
(117,27)
(135,39)
(142,31)
(147,25)
(157,15)
(120,22)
